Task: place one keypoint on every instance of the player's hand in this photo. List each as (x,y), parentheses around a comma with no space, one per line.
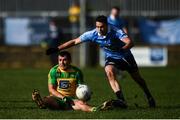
(68,100)
(51,51)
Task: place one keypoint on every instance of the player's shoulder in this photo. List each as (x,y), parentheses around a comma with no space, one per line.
(91,32)
(89,35)
(53,69)
(76,69)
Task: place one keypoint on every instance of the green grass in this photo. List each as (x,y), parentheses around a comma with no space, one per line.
(16,86)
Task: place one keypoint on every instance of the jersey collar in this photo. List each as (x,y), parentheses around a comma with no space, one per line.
(69,70)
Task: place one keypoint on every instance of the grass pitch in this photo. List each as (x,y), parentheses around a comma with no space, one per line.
(16,86)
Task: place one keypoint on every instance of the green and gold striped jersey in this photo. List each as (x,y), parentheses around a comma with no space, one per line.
(66,81)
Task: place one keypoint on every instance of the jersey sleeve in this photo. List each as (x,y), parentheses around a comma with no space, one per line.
(52,77)
(87,36)
(121,34)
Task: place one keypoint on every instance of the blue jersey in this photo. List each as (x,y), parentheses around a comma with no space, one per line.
(111,43)
(118,22)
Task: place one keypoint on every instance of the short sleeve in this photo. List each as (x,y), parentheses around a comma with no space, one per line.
(87,36)
(52,77)
(121,34)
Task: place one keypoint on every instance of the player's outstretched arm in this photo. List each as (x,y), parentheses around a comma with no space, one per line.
(69,44)
(66,45)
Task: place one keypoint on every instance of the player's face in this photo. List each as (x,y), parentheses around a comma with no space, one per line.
(64,62)
(115,13)
(101,28)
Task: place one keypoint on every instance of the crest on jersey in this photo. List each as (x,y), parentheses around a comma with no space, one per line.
(64,84)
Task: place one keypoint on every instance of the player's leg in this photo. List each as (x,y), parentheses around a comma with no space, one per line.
(141,82)
(111,75)
(50,102)
(80,105)
(83,106)
(53,102)
(134,72)
(111,68)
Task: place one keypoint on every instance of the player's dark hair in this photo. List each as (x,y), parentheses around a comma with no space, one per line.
(101,18)
(65,53)
(116,8)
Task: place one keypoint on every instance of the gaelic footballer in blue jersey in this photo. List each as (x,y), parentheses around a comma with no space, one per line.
(116,45)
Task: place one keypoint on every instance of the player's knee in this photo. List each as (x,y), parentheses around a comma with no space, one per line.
(47,100)
(109,72)
(50,102)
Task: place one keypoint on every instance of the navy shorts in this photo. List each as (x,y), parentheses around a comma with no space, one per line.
(127,63)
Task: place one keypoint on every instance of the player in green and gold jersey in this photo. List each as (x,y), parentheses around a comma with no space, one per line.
(63,80)
(66,81)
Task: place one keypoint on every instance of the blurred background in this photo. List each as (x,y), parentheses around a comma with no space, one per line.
(29,27)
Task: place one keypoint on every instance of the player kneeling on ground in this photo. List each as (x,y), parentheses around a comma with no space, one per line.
(63,79)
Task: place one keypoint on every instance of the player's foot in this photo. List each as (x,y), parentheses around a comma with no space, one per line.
(119,103)
(104,106)
(37,99)
(151,102)
(107,105)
